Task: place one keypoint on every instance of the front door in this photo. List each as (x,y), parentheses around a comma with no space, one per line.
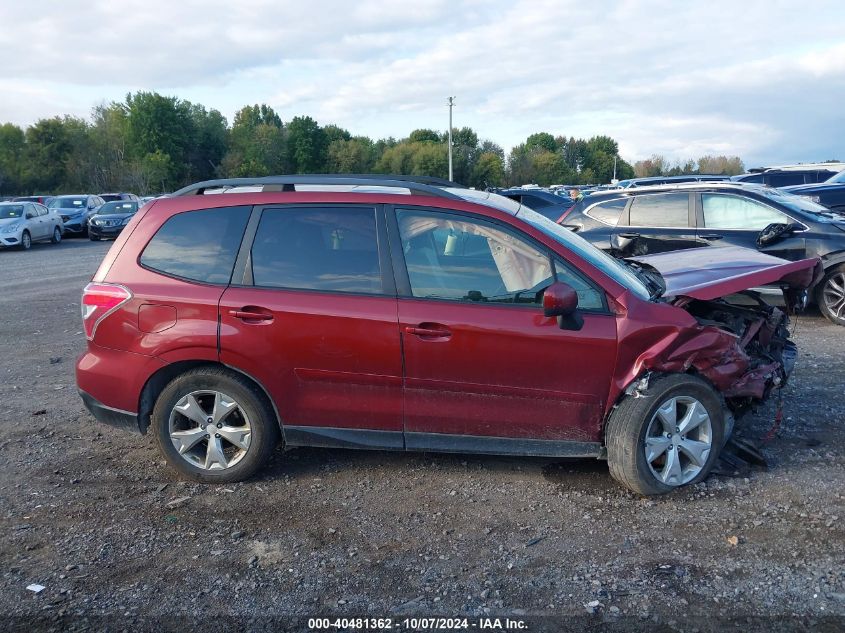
(482,363)
(314,320)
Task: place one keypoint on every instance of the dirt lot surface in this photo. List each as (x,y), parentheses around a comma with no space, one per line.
(94,516)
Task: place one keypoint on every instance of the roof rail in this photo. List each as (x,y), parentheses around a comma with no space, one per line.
(423,185)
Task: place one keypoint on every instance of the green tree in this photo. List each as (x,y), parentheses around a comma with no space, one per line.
(489,171)
(47,148)
(354,156)
(12,141)
(425,136)
(306,145)
(541,141)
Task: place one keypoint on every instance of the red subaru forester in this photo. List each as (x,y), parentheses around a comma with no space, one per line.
(404,313)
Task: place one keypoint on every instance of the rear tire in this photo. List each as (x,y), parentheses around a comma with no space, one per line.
(57,236)
(201,411)
(830,295)
(26,241)
(639,428)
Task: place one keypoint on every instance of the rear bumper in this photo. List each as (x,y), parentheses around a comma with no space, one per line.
(118,418)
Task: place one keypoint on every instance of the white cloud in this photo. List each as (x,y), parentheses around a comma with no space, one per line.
(761,79)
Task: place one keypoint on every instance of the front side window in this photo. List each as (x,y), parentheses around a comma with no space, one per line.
(198,245)
(733,212)
(316,248)
(452,257)
(662,210)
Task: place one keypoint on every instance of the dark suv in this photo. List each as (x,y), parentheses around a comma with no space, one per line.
(548,204)
(789,176)
(650,220)
(830,193)
(387,313)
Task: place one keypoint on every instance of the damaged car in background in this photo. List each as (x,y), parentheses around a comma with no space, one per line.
(386,312)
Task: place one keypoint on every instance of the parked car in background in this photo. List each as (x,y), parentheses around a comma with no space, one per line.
(550,205)
(788,175)
(45,200)
(830,193)
(112,197)
(23,223)
(384,313)
(76,210)
(110,219)
(643,221)
(669,180)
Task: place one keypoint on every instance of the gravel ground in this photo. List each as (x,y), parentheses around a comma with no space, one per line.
(94,516)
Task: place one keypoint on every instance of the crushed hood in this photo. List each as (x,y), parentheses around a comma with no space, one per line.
(713,272)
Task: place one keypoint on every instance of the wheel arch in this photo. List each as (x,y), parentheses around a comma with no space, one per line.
(161,378)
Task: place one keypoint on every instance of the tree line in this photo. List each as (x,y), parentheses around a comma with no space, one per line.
(151,143)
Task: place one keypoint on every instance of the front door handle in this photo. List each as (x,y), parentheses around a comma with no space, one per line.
(428,330)
(711,236)
(250,314)
(629,236)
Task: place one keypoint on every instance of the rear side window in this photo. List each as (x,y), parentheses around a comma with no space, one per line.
(786,179)
(198,245)
(666,210)
(609,211)
(733,212)
(315,248)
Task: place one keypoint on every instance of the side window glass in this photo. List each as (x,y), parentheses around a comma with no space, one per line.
(198,245)
(452,257)
(786,179)
(664,210)
(41,210)
(535,202)
(330,249)
(588,297)
(734,212)
(608,212)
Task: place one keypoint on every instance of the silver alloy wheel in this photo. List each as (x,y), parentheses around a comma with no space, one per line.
(678,440)
(210,430)
(26,241)
(833,295)
(57,235)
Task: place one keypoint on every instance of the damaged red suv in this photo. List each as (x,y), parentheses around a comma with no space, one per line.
(412,314)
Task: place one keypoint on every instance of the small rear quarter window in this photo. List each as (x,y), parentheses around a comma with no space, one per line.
(198,245)
(609,211)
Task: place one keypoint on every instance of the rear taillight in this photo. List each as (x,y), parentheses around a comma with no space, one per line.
(98,301)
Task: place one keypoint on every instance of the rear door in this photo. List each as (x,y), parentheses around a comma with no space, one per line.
(484,369)
(313,318)
(656,223)
(727,219)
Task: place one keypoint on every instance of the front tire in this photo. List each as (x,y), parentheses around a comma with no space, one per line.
(213,426)
(830,295)
(667,437)
(26,241)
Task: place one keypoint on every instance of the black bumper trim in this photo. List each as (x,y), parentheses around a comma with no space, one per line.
(125,420)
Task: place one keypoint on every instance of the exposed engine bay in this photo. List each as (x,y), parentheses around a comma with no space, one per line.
(751,353)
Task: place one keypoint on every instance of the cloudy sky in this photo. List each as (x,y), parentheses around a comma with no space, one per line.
(764,80)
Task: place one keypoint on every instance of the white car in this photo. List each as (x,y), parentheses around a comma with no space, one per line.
(22,223)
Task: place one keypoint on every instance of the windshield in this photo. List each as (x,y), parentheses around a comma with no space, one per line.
(611,267)
(121,207)
(792,201)
(8,211)
(840,177)
(68,203)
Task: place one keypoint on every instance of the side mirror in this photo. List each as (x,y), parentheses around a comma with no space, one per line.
(777,231)
(29,216)
(560,300)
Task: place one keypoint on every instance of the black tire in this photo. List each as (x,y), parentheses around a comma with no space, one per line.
(57,236)
(262,420)
(94,238)
(626,431)
(830,287)
(26,241)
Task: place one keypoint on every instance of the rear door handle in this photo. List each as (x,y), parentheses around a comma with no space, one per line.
(426,330)
(629,236)
(711,236)
(250,315)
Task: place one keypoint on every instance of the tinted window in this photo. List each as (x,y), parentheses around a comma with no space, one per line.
(198,245)
(535,202)
(755,178)
(451,257)
(733,212)
(785,179)
(664,210)
(608,211)
(332,249)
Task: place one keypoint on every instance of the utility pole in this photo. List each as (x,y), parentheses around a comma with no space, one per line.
(614,171)
(451,104)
